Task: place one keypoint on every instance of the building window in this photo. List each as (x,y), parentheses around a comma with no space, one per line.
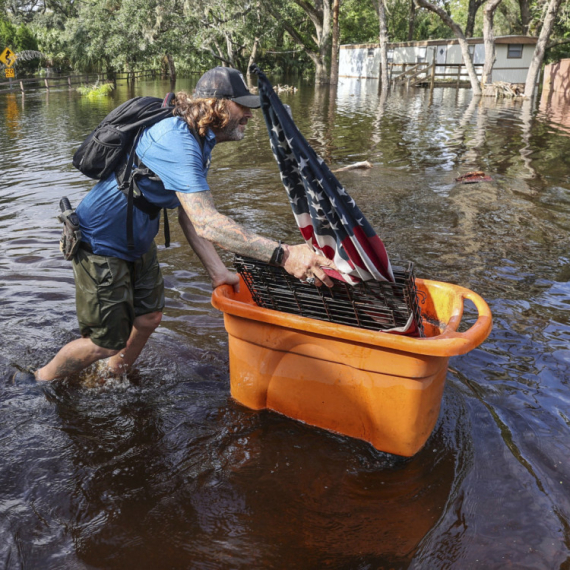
(514,51)
(390,55)
(370,52)
(471,50)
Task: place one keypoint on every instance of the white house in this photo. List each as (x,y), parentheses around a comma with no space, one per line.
(513,57)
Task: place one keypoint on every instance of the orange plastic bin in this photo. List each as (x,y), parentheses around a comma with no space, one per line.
(379,387)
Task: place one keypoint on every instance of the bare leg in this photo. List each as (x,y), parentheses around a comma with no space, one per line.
(143,327)
(73,358)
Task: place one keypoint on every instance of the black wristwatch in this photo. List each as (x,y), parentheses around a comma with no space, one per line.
(278,256)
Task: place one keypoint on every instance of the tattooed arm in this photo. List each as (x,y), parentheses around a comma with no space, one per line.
(300,260)
(218,272)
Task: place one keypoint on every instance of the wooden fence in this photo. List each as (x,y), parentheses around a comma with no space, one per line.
(416,74)
(58,81)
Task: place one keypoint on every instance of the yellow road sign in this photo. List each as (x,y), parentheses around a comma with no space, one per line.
(8,57)
(9,71)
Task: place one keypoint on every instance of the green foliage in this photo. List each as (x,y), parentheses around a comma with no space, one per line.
(25,39)
(358,22)
(7,35)
(18,38)
(96,90)
(430,26)
(126,35)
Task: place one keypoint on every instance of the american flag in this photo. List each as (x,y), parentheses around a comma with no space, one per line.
(329,219)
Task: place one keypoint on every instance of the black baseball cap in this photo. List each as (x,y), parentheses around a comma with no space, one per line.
(226,83)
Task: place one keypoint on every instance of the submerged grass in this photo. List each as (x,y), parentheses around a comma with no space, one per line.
(96,90)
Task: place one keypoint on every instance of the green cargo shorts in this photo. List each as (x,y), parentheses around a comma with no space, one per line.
(110,293)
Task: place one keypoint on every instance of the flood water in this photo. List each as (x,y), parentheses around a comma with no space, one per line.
(165,470)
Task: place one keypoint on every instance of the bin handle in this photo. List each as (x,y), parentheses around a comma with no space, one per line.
(480,330)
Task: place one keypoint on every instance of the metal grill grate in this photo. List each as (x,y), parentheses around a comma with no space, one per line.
(372,305)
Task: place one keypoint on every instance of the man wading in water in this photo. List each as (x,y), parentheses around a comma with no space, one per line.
(120,291)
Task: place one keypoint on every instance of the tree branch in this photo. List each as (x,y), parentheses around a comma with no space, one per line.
(555,43)
(293,33)
(215,55)
(311,11)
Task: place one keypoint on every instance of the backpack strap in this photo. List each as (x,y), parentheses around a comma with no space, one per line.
(127,187)
(168,100)
(127,184)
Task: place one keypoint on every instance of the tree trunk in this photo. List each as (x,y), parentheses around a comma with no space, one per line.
(164,67)
(538,56)
(411,21)
(383,39)
(221,55)
(322,71)
(230,49)
(251,61)
(526,16)
(320,15)
(489,41)
(171,67)
(325,42)
(460,38)
(471,13)
(335,42)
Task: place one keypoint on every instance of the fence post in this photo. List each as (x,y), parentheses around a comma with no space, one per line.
(432,78)
(47,83)
(22,86)
(458,74)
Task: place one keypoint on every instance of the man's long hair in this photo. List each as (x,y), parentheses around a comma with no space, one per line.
(202,114)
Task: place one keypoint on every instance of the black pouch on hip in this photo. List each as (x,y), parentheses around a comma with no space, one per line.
(71,235)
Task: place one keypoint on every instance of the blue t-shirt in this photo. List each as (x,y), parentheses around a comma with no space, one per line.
(171,151)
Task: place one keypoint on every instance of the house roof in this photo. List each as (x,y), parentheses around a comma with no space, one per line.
(449,41)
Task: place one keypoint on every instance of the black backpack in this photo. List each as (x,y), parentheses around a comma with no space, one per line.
(105,151)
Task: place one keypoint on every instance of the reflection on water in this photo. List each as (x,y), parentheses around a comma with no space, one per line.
(166,471)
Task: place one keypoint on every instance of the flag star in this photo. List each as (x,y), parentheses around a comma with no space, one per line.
(303,162)
(312,194)
(321,195)
(352,202)
(360,221)
(333,226)
(326,226)
(342,191)
(343,221)
(276,129)
(294,200)
(289,141)
(320,159)
(289,156)
(283,144)
(333,203)
(320,182)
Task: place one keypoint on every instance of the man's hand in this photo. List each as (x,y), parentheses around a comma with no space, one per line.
(230,278)
(303,263)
